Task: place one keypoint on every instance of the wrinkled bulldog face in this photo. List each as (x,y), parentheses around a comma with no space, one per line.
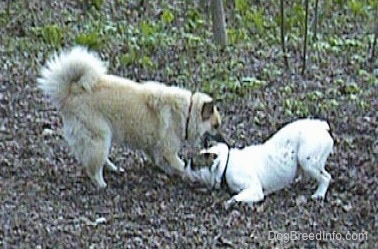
(205,166)
(203,160)
(201,168)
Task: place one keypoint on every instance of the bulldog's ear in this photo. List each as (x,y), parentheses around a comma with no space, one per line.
(212,150)
(210,156)
(207,110)
(204,151)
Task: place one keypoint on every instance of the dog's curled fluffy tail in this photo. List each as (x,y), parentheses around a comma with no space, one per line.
(70,72)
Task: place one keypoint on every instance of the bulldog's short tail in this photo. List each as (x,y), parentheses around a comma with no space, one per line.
(70,72)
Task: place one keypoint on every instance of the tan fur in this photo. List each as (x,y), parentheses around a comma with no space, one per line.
(98,108)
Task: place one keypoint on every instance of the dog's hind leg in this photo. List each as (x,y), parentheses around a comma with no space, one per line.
(94,157)
(312,156)
(249,196)
(315,168)
(90,142)
(323,178)
(94,154)
(323,186)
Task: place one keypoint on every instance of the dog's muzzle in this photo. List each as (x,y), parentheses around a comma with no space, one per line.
(210,138)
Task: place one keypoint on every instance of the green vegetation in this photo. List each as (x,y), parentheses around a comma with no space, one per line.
(176,44)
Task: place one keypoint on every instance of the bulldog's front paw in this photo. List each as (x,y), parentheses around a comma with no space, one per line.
(228,204)
(187,173)
(317,197)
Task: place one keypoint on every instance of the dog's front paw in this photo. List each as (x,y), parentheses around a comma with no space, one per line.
(228,204)
(317,197)
(112,167)
(187,162)
(188,173)
(187,165)
(185,175)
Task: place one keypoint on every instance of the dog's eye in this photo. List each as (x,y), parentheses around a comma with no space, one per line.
(208,155)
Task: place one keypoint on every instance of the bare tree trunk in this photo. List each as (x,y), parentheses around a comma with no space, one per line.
(315,37)
(219,22)
(305,39)
(283,45)
(374,44)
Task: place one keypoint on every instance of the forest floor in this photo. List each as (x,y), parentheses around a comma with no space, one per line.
(46,201)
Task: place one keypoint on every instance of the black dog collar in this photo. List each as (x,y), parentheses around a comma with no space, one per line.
(224,184)
(188,117)
(220,139)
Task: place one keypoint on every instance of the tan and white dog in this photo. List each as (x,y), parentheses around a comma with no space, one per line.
(255,171)
(98,108)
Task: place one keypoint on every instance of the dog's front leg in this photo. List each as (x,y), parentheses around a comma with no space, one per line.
(168,162)
(112,167)
(249,196)
(175,162)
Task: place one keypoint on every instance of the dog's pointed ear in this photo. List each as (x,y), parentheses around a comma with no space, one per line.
(207,110)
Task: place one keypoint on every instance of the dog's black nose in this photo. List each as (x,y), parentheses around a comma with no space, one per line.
(217,137)
(216,126)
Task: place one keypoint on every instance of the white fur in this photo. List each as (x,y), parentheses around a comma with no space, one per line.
(83,66)
(258,170)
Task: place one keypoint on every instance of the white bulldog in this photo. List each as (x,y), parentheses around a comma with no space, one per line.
(258,170)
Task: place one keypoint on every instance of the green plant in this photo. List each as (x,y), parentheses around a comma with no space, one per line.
(95,3)
(296,107)
(236,36)
(349,88)
(91,40)
(51,34)
(315,95)
(242,6)
(357,7)
(193,21)
(167,17)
